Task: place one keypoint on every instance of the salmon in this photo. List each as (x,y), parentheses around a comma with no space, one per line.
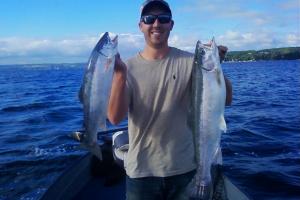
(95,91)
(207,115)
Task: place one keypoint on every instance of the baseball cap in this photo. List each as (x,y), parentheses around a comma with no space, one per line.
(159,3)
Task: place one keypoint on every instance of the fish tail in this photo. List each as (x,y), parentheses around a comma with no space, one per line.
(97,152)
(94,149)
(200,190)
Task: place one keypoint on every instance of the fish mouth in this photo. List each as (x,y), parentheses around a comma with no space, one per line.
(209,69)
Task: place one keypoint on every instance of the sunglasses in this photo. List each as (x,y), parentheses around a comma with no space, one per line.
(150,19)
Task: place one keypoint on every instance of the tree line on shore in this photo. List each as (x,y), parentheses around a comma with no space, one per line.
(288,53)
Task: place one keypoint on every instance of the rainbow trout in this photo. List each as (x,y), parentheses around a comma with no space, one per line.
(95,91)
(207,115)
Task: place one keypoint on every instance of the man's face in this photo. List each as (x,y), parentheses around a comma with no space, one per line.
(156,34)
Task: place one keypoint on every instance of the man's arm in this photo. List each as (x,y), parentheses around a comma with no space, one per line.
(119,97)
(228,91)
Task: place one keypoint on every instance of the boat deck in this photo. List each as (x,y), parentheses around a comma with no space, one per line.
(97,189)
(91,179)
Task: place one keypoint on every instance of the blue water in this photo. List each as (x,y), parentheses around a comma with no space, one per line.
(39,108)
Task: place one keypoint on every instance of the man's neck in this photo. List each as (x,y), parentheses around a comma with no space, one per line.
(150,53)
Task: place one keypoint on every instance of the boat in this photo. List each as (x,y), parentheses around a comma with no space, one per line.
(89,179)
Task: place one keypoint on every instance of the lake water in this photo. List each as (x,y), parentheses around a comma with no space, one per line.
(39,108)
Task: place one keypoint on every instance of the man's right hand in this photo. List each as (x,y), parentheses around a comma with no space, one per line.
(120,65)
(119,99)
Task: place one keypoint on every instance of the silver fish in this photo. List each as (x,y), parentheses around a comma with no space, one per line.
(207,115)
(95,91)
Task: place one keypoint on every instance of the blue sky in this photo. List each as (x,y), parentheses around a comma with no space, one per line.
(54,31)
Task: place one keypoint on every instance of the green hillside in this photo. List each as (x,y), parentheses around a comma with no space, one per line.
(288,53)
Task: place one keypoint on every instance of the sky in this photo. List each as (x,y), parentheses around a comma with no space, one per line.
(65,31)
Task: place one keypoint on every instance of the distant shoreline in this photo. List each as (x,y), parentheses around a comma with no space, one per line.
(83,64)
(288,53)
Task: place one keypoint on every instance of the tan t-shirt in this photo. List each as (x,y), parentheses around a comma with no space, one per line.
(160,141)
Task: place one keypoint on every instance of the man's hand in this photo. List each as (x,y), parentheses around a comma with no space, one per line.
(120,65)
(119,98)
(222,52)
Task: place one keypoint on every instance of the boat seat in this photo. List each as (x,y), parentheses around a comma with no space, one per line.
(120,145)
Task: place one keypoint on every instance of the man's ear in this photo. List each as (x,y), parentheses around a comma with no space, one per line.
(172,24)
(140,26)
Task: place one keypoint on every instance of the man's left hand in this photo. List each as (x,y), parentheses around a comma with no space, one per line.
(222,52)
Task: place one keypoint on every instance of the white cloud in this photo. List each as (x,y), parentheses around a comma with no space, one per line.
(245,15)
(185,43)
(16,46)
(236,40)
(130,44)
(16,50)
(293,39)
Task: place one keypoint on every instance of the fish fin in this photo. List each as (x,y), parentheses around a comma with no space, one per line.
(77,135)
(223,126)
(96,150)
(80,94)
(218,158)
(198,189)
(93,148)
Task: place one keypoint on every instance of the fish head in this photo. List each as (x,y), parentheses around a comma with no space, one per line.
(210,57)
(105,51)
(109,46)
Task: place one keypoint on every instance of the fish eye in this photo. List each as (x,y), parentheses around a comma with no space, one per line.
(202,52)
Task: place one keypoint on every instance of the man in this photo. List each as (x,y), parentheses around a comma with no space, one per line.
(153,88)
